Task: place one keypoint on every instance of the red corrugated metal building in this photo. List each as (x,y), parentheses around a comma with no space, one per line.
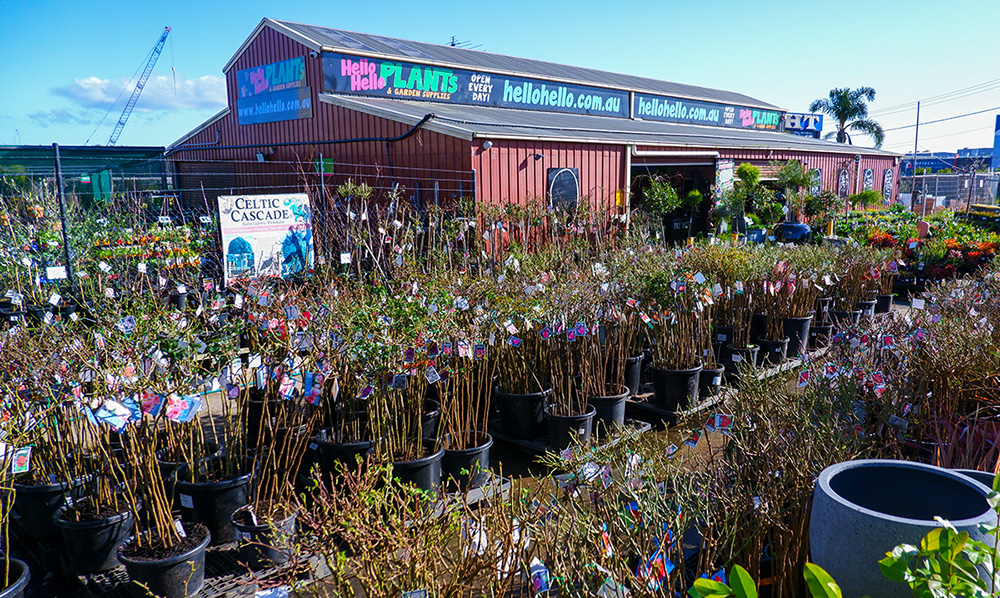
(438,122)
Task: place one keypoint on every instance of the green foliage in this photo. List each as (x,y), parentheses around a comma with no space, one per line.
(849,108)
(692,198)
(819,582)
(748,174)
(661,197)
(770,213)
(866,198)
(948,562)
(793,175)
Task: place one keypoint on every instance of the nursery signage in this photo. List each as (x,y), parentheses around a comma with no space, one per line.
(273,92)
(674,110)
(265,235)
(343,73)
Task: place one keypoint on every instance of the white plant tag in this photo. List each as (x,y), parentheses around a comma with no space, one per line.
(180,528)
(186,501)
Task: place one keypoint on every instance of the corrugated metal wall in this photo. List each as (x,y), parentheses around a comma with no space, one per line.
(509,173)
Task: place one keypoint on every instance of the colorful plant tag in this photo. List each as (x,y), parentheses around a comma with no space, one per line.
(22,461)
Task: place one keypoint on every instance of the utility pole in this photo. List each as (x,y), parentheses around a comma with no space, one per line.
(67,252)
(913,189)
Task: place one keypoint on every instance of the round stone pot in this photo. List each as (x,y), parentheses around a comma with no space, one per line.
(863,509)
(983,477)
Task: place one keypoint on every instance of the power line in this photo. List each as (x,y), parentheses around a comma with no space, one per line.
(907,143)
(940,98)
(941,120)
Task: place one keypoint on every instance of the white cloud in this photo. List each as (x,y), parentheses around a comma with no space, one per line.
(160,93)
(61,116)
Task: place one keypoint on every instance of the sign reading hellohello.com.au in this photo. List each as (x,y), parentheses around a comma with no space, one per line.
(376,77)
(403,80)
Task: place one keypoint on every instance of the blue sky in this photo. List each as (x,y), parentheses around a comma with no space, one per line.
(66,62)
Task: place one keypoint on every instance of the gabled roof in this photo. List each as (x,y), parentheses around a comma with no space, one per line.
(325,39)
(208,123)
(471,122)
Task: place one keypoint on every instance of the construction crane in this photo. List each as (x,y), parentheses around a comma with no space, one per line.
(138,87)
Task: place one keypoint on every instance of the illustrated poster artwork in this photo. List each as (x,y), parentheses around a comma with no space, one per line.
(266,235)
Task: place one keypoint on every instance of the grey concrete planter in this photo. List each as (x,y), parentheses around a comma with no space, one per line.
(983,477)
(862,509)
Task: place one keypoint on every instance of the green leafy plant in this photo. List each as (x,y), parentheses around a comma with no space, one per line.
(661,197)
(741,585)
(949,562)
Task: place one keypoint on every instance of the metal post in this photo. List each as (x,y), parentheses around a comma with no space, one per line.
(916,136)
(62,219)
(322,201)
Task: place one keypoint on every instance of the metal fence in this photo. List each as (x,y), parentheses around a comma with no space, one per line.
(955,191)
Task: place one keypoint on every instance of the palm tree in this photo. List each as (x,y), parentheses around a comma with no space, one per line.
(850,109)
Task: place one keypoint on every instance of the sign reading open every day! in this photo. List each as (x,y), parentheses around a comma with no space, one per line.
(343,73)
(266,235)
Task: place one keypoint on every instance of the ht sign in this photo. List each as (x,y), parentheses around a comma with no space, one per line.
(803,122)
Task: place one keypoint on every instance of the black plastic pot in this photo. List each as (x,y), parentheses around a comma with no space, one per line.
(37,504)
(674,390)
(92,546)
(522,416)
(213,503)
(845,318)
(264,545)
(724,335)
(179,300)
(819,336)
(178,576)
(758,323)
(797,331)
(36,313)
(710,379)
(772,352)
(20,575)
(168,469)
(867,308)
(633,368)
(741,359)
(423,473)
(566,430)
(430,418)
(463,469)
(610,410)
(822,313)
(332,457)
(883,304)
